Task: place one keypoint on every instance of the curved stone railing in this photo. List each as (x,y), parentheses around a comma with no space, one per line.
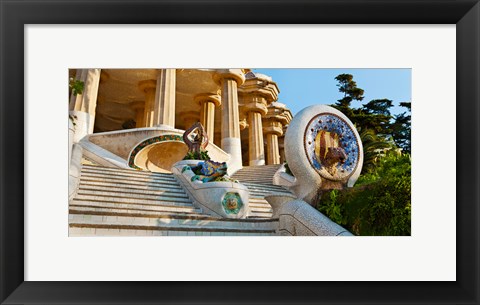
(283,179)
(296,217)
(214,198)
(74,170)
(114,148)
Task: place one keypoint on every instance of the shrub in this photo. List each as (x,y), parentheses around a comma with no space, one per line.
(287,169)
(379,204)
(197,155)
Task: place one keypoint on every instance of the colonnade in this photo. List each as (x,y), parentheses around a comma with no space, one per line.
(253,97)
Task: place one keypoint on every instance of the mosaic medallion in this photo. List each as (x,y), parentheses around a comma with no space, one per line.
(232,203)
(331,146)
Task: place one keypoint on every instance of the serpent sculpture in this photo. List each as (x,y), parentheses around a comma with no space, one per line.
(205,171)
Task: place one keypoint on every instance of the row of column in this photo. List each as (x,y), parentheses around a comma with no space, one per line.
(159,110)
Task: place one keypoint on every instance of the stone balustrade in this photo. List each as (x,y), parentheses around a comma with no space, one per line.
(296,217)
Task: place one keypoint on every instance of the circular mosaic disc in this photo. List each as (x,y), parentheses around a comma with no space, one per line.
(331,146)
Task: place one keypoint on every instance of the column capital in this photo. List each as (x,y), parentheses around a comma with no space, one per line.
(272,126)
(279,112)
(234,74)
(256,106)
(260,85)
(208,97)
(146,85)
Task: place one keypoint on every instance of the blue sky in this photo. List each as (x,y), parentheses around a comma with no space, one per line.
(303,87)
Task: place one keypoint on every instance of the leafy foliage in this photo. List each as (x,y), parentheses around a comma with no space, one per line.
(380,203)
(197,155)
(374,148)
(350,91)
(401,131)
(287,169)
(76,86)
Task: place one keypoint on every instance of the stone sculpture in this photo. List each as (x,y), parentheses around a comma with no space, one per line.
(207,171)
(196,138)
(323,150)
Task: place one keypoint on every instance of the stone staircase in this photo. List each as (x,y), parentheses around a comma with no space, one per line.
(258,179)
(114,201)
(257,174)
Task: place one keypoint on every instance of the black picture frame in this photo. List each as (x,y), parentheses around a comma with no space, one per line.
(15,14)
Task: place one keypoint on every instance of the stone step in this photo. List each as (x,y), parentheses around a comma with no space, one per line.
(166,208)
(257,180)
(127,176)
(265,188)
(154,210)
(170,201)
(261,209)
(259,192)
(109,178)
(81,231)
(257,206)
(260,214)
(254,217)
(259,168)
(255,174)
(252,173)
(199,222)
(113,211)
(124,171)
(133,184)
(141,187)
(131,192)
(257,199)
(134,198)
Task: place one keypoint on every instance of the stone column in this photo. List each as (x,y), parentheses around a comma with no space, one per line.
(273,155)
(83,106)
(229,79)
(255,109)
(208,102)
(257,92)
(139,108)
(272,129)
(149,88)
(164,108)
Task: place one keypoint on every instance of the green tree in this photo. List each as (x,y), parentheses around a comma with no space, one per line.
(374,148)
(401,128)
(350,91)
(375,115)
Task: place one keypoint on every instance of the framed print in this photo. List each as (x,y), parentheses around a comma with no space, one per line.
(43,258)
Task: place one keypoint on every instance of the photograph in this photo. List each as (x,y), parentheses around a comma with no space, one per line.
(239,152)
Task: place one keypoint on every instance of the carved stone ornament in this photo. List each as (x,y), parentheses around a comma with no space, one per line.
(196,137)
